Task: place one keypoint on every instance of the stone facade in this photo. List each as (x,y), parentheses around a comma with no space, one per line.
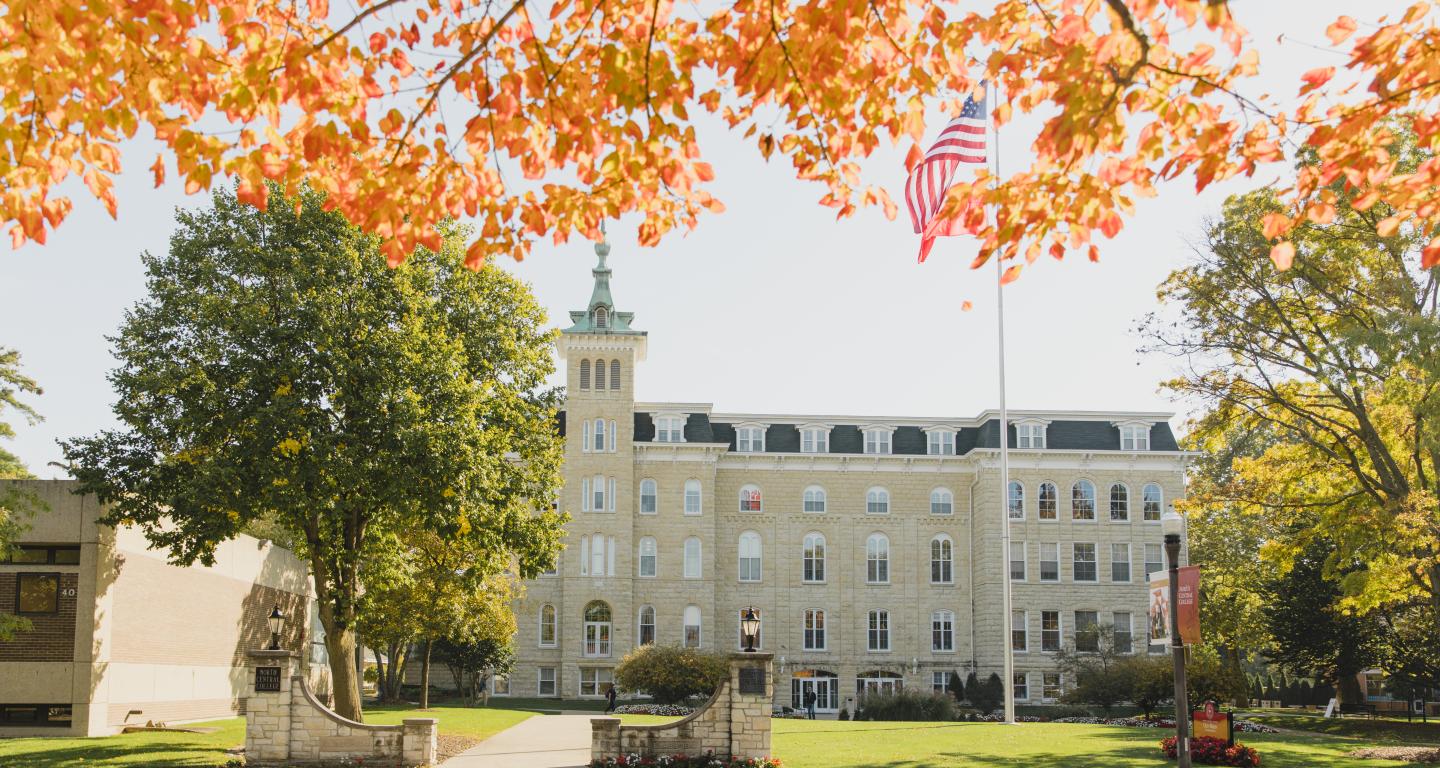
(930,487)
(291,727)
(734,721)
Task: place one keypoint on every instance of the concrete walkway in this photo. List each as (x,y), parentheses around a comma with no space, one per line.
(543,741)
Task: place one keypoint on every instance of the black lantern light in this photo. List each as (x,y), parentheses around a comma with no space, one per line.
(750,629)
(277,625)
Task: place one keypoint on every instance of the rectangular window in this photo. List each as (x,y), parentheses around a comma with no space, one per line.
(1087,631)
(940,682)
(1019,632)
(37,593)
(1050,631)
(500,685)
(1135,437)
(692,558)
(1017,561)
(595,682)
(692,497)
(1050,686)
(814,630)
(670,429)
(1119,562)
(1085,566)
(1154,559)
(1048,502)
(42,554)
(1049,561)
(1022,686)
(877,441)
(815,440)
(35,715)
(941,443)
(942,631)
(1124,635)
(750,440)
(879,633)
(1029,435)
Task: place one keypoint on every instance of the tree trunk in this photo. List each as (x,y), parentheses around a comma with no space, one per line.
(340,646)
(425,676)
(382,685)
(1348,693)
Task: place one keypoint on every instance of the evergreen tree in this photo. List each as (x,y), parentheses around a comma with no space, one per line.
(957,687)
(972,688)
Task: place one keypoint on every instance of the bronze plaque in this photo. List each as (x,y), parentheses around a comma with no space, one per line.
(752,680)
(267,679)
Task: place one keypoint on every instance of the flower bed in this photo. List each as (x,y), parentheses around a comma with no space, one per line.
(1208,751)
(666,710)
(707,760)
(1129,722)
(1246,726)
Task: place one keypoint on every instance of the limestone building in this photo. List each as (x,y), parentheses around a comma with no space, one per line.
(870,545)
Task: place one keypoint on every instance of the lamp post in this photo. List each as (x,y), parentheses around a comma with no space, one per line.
(277,625)
(1173,525)
(750,629)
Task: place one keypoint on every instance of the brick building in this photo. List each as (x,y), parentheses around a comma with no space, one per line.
(869,545)
(121,637)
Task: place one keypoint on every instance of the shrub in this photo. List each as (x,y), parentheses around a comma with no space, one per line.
(906,705)
(671,674)
(1208,751)
(844,714)
(986,696)
(707,760)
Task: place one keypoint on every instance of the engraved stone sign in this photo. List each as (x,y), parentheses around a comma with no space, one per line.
(752,680)
(267,679)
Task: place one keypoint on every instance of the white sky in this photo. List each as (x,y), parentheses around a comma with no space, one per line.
(772,306)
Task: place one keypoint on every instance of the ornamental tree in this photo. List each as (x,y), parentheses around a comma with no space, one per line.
(16,503)
(542,121)
(279,371)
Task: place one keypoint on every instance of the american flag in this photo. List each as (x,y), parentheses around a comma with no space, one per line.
(961,143)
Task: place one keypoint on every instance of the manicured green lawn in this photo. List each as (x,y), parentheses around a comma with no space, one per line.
(1387,730)
(131,749)
(476,722)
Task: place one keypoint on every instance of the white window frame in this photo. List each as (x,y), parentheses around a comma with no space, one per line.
(1128,561)
(1075,561)
(942,559)
(1020,636)
(1080,630)
(598,432)
(640,626)
(585,436)
(540,682)
(599,678)
(1051,692)
(1015,500)
(1159,549)
(1054,548)
(751,499)
(649,490)
(750,438)
(814,496)
(1059,631)
(877,501)
(1134,436)
(754,571)
(1128,631)
(812,559)
(1124,503)
(1145,503)
(685,626)
(1077,494)
(1020,685)
(1054,489)
(693,494)
(598,636)
(554,628)
(1030,434)
(669,428)
(814,439)
(942,631)
(877,631)
(614,435)
(813,629)
(694,562)
(877,558)
(877,441)
(942,501)
(1023,561)
(940,441)
(653,555)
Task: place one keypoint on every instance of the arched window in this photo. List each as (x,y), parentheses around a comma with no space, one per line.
(599,374)
(814,500)
(877,559)
(548,628)
(1082,500)
(692,558)
(1017,500)
(647,625)
(585,439)
(813,557)
(692,626)
(750,499)
(942,631)
(692,497)
(614,374)
(584,374)
(1048,504)
(602,317)
(942,559)
(649,556)
(814,629)
(942,502)
(597,628)
(648,497)
(1154,499)
(599,432)
(750,556)
(877,501)
(1119,503)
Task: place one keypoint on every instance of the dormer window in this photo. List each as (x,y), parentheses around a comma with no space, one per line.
(669,429)
(1030,434)
(814,440)
(602,318)
(1134,436)
(750,439)
(940,442)
(877,440)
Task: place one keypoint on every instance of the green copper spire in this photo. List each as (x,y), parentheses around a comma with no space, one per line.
(600,316)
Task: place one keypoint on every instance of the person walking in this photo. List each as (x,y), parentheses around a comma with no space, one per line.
(610,699)
(810,698)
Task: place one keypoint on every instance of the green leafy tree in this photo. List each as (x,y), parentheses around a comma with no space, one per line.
(1100,674)
(1312,633)
(281,370)
(1152,682)
(475,661)
(1209,678)
(671,674)
(17,503)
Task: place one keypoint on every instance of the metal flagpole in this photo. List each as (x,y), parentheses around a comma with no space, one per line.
(1007,614)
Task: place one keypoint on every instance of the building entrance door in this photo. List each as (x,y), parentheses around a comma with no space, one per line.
(825,685)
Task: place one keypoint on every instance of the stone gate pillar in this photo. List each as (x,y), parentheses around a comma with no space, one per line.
(752,696)
(267,704)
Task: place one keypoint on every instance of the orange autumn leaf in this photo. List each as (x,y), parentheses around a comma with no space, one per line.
(1283,255)
(1430,254)
(1011,274)
(1341,29)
